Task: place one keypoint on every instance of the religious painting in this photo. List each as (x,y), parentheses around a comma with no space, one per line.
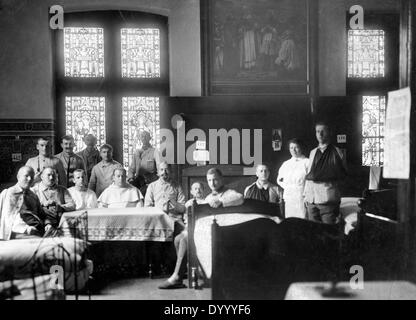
(257,47)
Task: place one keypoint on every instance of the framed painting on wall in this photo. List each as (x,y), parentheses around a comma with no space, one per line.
(257,47)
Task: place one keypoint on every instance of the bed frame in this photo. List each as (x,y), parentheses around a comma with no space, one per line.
(199,211)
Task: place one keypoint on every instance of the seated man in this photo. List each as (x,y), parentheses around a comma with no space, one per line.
(102,173)
(84,198)
(55,199)
(166,194)
(221,196)
(120,194)
(21,214)
(262,189)
(181,242)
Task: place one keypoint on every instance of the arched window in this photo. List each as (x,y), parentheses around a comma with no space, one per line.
(111,67)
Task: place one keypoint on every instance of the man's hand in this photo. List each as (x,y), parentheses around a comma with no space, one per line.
(31,230)
(215,203)
(189,203)
(37,176)
(48,227)
(50,203)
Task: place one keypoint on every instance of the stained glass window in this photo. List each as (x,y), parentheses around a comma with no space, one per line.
(374,115)
(140,53)
(85,115)
(84,52)
(139,114)
(365,53)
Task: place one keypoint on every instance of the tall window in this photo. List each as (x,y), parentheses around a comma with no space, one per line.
(84,52)
(139,114)
(85,115)
(365,53)
(112,67)
(374,116)
(372,70)
(140,53)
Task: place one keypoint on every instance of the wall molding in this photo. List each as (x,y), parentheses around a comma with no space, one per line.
(27,127)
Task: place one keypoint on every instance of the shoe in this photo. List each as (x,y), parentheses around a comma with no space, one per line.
(172,285)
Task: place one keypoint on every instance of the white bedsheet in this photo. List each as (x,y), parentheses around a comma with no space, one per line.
(202,234)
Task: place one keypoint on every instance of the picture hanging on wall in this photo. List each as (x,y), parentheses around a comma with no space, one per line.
(277,139)
(257,47)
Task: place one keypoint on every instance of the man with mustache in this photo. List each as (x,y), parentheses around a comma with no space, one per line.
(21,215)
(54,199)
(70,160)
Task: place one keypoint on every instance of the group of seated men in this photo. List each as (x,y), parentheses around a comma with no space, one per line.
(44,191)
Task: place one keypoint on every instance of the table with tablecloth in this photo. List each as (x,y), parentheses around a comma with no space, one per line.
(125,241)
(119,224)
(370,290)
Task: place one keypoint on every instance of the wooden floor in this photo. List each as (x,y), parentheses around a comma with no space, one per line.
(144,289)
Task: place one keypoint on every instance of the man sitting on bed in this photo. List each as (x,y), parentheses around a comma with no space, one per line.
(262,189)
(55,199)
(21,215)
(181,242)
(220,195)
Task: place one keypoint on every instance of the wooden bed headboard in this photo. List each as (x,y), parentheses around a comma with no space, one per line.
(236,177)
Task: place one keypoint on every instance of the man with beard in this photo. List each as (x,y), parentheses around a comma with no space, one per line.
(166,194)
(54,199)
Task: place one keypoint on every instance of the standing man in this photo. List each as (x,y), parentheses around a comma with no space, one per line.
(44,159)
(102,173)
(90,154)
(326,169)
(143,168)
(69,159)
(21,215)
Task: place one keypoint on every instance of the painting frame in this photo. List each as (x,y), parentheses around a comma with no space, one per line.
(255,81)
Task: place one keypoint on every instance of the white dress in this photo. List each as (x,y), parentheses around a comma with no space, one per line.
(293,172)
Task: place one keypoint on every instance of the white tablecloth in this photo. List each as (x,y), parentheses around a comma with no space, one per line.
(119,224)
(373,290)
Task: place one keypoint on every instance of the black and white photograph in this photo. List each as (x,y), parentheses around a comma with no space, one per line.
(207,150)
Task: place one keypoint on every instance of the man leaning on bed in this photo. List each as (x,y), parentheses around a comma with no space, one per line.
(220,196)
(21,214)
